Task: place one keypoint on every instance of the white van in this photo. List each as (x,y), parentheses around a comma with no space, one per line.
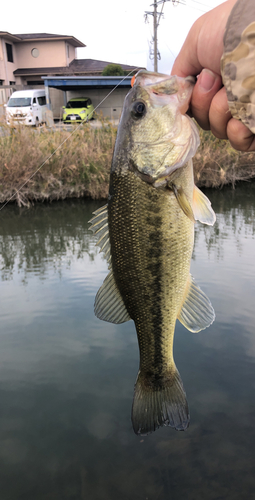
(27,107)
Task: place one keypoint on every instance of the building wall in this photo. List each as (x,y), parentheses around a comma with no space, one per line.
(6,67)
(111,107)
(51,54)
(70,53)
(2,66)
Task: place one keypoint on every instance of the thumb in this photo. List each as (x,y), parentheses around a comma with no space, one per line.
(207,85)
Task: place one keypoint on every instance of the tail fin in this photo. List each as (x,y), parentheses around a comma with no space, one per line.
(158,405)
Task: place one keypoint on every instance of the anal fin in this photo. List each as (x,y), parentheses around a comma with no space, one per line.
(197,311)
(109,305)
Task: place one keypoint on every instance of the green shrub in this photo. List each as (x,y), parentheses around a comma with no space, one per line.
(113,70)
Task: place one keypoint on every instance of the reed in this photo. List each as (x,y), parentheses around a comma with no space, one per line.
(39,164)
(47,164)
(216,163)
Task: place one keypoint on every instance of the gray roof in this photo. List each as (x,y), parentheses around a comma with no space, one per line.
(76,67)
(94,65)
(33,37)
(9,36)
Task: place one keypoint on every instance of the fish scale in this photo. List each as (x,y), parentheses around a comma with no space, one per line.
(153,259)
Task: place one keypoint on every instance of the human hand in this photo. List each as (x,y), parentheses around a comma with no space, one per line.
(201,55)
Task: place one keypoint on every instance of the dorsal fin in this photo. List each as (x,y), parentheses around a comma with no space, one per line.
(100,229)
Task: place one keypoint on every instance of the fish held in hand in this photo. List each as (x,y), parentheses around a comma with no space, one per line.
(147,233)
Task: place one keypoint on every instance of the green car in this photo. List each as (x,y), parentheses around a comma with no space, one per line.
(77,110)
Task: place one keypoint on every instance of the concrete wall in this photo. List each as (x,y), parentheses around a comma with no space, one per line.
(111,107)
(5,94)
(57,101)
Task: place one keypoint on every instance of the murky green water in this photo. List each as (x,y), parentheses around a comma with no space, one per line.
(66,378)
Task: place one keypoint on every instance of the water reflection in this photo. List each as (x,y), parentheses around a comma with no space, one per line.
(46,236)
(66,379)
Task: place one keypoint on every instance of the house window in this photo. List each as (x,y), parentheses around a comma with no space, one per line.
(67,48)
(9,52)
(12,83)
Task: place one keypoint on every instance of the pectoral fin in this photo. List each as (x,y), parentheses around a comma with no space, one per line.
(197,312)
(202,208)
(182,200)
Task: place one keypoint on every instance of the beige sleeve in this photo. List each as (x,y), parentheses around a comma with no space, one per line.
(238,62)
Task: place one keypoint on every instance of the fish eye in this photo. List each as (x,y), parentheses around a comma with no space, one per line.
(139,109)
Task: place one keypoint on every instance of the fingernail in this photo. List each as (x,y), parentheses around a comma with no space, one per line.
(206,80)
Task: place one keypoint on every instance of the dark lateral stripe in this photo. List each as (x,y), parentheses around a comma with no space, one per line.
(154,254)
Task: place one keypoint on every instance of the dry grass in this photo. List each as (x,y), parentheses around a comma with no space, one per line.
(79,167)
(81,164)
(216,163)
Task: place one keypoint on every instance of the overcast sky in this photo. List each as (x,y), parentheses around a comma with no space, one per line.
(112,30)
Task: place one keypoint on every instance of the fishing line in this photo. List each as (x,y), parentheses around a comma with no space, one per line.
(63,142)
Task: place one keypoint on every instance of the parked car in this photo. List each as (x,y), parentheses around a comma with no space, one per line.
(26,107)
(78,109)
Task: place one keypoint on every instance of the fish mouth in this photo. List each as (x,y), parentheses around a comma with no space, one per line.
(164,89)
(144,78)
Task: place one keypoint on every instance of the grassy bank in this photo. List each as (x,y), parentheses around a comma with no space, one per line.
(81,164)
(44,164)
(216,163)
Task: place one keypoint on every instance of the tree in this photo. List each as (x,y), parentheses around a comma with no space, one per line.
(113,70)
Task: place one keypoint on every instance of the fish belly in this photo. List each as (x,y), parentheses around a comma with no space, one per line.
(151,246)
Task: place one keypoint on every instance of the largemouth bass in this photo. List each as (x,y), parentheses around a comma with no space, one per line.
(147,233)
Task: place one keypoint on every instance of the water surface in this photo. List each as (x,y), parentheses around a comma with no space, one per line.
(66,378)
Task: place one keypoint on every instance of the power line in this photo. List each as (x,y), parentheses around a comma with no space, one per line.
(204,4)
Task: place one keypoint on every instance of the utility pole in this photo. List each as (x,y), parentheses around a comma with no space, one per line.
(155,39)
(155,54)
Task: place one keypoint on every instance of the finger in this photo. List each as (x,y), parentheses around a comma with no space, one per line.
(224,126)
(219,114)
(240,137)
(208,84)
(203,46)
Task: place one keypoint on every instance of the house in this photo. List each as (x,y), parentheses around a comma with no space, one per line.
(26,58)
